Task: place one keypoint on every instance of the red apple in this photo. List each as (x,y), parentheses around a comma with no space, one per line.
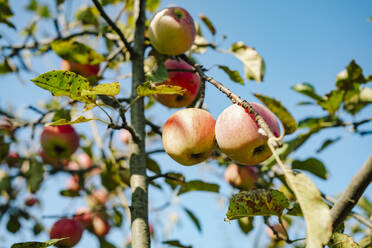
(67,228)
(190,81)
(73,183)
(172,31)
(98,197)
(101,227)
(241,177)
(60,141)
(125,136)
(30,201)
(12,159)
(85,216)
(188,136)
(83,70)
(238,135)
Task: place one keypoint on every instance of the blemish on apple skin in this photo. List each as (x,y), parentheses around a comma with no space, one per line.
(196,155)
(259,149)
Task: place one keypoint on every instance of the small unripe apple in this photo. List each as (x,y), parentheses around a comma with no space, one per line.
(67,228)
(188,80)
(188,136)
(125,136)
(85,216)
(241,177)
(101,227)
(238,135)
(30,201)
(98,197)
(60,141)
(83,70)
(172,31)
(73,183)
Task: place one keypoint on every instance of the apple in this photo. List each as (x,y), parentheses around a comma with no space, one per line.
(101,227)
(85,216)
(30,201)
(188,136)
(188,80)
(241,177)
(83,70)
(73,183)
(172,31)
(98,197)
(66,228)
(125,136)
(84,160)
(60,141)
(13,159)
(238,134)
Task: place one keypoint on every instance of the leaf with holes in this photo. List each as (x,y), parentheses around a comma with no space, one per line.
(233,75)
(261,202)
(149,88)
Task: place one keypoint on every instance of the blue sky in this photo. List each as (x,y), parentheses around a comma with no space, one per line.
(300,41)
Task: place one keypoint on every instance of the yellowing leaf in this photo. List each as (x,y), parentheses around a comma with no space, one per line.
(208,23)
(149,88)
(111,89)
(340,240)
(37,244)
(233,75)
(80,119)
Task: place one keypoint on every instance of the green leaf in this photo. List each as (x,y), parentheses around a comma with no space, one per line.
(37,244)
(159,75)
(65,83)
(289,123)
(208,23)
(152,165)
(88,16)
(176,243)
(62,114)
(69,193)
(353,74)
(74,51)
(254,66)
(315,211)
(295,210)
(307,90)
(13,224)
(340,240)
(111,89)
(5,67)
(332,101)
(148,88)
(5,181)
(194,219)
(80,119)
(103,243)
(152,5)
(365,204)
(5,13)
(117,217)
(198,185)
(314,123)
(312,165)
(179,179)
(262,202)
(234,75)
(327,143)
(110,177)
(246,224)
(34,176)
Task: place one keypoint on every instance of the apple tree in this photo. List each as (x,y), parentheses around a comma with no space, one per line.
(252,143)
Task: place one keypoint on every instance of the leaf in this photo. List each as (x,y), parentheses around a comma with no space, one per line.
(65,83)
(234,75)
(193,218)
(366,242)
(88,16)
(111,89)
(365,204)
(152,165)
(62,114)
(148,88)
(174,183)
(159,75)
(289,123)
(246,224)
(295,210)
(312,165)
(315,211)
(176,243)
(262,202)
(117,217)
(353,74)
(152,5)
(254,66)
(37,244)
(5,67)
(5,181)
(197,185)
(13,224)
(327,143)
(69,193)
(208,23)
(103,243)
(5,13)
(74,51)
(307,90)
(80,119)
(314,123)
(34,176)
(332,101)
(110,177)
(340,240)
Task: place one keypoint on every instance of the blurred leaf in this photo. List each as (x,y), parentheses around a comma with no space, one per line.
(107,2)
(327,143)
(200,43)
(5,181)
(80,119)
(110,177)
(198,185)
(263,202)
(88,16)
(254,66)
(314,123)
(74,51)
(43,11)
(340,240)
(208,23)
(366,205)
(152,5)
(124,175)
(13,224)
(37,244)
(359,101)
(149,88)
(295,210)
(307,90)
(366,242)
(176,243)
(246,224)
(32,5)
(117,218)
(69,193)
(37,228)
(5,67)
(105,244)
(315,211)
(4,148)
(110,89)
(152,165)
(346,79)
(193,218)
(234,75)
(62,114)
(332,101)
(34,176)
(59,2)
(5,13)
(159,75)
(312,165)
(289,123)
(174,183)
(65,83)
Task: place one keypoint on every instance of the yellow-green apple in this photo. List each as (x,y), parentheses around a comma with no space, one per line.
(67,228)
(188,136)
(125,136)
(241,177)
(98,198)
(60,141)
(185,78)
(83,70)
(85,216)
(101,227)
(172,31)
(239,136)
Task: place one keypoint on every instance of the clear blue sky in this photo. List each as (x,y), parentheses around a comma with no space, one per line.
(300,41)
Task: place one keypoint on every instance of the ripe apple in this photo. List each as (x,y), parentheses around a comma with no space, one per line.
(101,227)
(60,141)
(67,228)
(83,70)
(85,216)
(241,177)
(188,136)
(98,198)
(172,31)
(188,80)
(73,183)
(125,136)
(30,201)
(238,135)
